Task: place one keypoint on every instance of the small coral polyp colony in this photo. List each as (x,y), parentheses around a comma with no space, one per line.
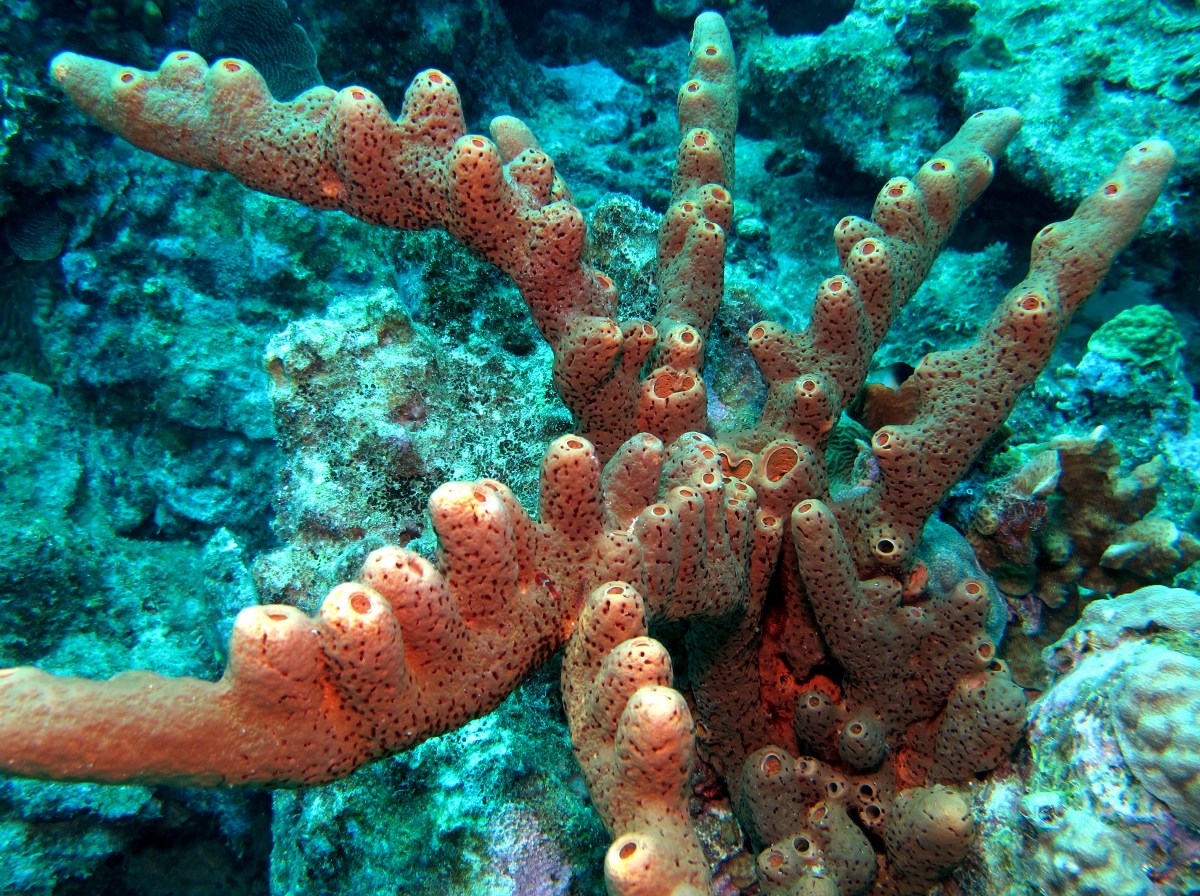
(842,677)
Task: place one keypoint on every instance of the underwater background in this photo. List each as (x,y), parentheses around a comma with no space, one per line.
(213,398)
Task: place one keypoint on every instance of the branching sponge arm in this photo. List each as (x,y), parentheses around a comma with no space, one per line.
(501,197)
(633,736)
(961,397)
(407,653)
(341,150)
(413,649)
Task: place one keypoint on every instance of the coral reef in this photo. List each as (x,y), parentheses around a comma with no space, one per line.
(1107,791)
(1104,511)
(1131,65)
(873,649)
(1077,853)
(1068,515)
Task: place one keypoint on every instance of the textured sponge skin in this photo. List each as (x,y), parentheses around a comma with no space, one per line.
(342,150)
(819,609)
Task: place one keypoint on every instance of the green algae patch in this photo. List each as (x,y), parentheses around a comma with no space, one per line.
(1143,335)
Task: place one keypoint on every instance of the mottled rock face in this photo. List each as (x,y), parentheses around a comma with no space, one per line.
(1156,705)
(1106,794)
(1078,853)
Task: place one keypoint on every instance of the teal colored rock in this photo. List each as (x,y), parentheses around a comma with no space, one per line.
(1156,706)
(1112,765)
(1078,853)
(1144,335)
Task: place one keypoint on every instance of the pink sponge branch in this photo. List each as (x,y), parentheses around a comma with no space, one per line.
(501,197)
(960,397)
(408,653)
(411,650)
(135,727)
(341,150)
